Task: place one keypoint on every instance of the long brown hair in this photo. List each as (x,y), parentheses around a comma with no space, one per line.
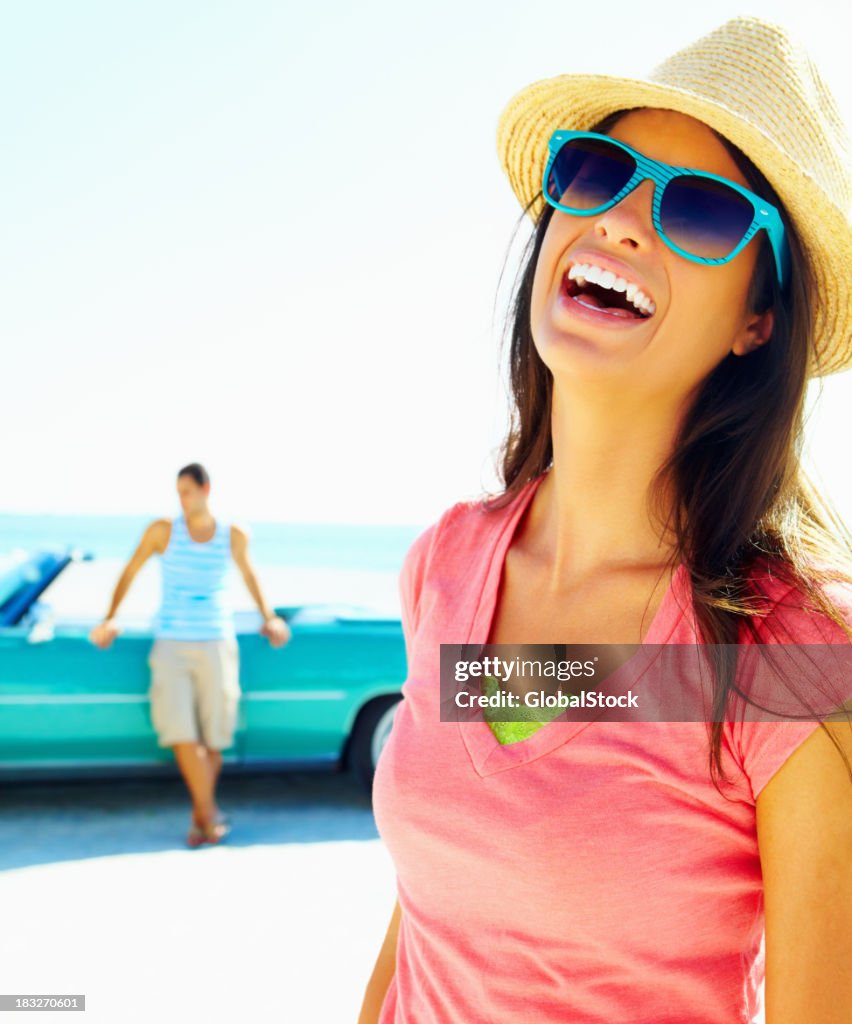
(741,493)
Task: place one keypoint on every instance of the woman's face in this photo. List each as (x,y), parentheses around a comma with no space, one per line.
(701,312)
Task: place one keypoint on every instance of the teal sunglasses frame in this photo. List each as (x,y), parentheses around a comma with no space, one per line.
(765,216)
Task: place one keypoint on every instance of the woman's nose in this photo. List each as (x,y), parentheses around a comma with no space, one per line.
(629,221)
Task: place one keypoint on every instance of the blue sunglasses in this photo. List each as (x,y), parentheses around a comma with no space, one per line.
(705,218)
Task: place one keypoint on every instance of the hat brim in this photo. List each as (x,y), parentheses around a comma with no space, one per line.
(577,102)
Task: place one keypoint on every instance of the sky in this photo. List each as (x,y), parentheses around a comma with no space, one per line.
(268,237)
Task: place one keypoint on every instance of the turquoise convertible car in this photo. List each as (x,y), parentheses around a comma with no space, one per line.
(67,708)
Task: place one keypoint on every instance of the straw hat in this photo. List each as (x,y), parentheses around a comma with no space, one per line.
(751,82)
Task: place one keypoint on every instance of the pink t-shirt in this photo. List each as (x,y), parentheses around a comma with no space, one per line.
(591,873)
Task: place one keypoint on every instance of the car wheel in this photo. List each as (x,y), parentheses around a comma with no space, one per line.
(371,731)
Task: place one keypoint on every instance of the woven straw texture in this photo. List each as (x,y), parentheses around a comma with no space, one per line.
(752,82)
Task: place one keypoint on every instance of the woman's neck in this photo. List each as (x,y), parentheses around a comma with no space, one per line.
(591,512)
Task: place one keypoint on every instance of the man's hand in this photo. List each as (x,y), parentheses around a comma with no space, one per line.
(104,633)
(277,631)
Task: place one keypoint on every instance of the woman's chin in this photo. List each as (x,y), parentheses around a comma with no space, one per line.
(583,352)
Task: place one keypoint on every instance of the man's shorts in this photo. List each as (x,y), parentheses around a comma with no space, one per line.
(195,691)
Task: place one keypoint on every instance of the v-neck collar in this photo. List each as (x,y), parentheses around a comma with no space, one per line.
(488,755)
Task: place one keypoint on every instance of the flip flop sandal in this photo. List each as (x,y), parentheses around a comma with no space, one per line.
(195,837)
(216,832)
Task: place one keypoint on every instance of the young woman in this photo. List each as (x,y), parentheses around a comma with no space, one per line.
(664,328)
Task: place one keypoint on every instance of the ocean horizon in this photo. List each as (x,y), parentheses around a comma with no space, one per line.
(306,545)
(296,563)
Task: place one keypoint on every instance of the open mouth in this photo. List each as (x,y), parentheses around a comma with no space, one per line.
(617,303)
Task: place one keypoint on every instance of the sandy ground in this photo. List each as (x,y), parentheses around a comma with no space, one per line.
(99,896)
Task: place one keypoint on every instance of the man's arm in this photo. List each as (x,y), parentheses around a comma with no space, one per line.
(274,626)
(153,542)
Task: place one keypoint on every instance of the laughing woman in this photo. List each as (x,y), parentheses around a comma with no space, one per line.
(689,272)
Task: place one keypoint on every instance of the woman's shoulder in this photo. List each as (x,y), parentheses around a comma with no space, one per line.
(462,531)
(791,611)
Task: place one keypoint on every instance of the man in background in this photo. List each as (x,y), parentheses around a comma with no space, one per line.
(194,659)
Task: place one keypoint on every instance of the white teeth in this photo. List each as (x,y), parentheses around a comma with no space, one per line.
(583,272)
(641,299)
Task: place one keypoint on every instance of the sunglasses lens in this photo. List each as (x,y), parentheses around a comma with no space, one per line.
(704,217)
(587,173)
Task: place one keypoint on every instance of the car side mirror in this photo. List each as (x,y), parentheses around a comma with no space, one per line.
(40,632)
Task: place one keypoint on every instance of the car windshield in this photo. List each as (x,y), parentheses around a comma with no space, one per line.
(83,591)
(23,577)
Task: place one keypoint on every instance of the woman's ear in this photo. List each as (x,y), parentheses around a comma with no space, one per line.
(755,332)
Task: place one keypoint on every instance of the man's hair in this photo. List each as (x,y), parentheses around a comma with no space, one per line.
(198,473)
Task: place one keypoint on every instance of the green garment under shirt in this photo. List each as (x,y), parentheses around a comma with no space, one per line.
(511,732)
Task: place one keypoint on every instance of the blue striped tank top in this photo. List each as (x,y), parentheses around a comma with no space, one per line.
(195,602)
